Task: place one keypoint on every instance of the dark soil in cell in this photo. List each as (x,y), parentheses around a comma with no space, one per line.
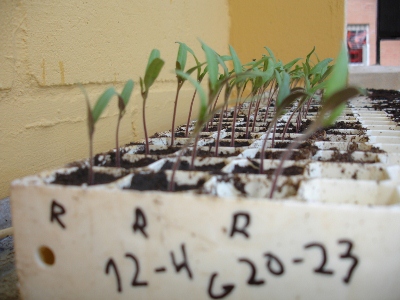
(157,182)
(254,169)
(211,153)
(380,94)
(346,125)
(169,150)
(110,161)
(81,176)
(386,100)
(346,157)
(296,155)
(313,109)
(185,166)
(237,143)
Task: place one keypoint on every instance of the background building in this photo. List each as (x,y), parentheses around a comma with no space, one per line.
(362,32)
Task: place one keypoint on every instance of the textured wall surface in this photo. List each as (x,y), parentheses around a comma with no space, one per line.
(290,28)
(50,46)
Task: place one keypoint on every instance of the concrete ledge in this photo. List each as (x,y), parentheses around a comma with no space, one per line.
(378,77)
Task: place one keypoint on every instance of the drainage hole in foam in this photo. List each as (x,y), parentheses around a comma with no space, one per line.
(46,256)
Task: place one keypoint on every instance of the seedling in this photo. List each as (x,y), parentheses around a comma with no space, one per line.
(153,68)
(180,66)
(93,116)
(123,100)
(333,103)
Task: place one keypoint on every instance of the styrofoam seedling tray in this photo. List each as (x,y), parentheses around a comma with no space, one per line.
(356,171)
(382,127)
(383,133)
(251,186)
(386,122)
(253,135)
(348,138)
(363,156)
(198,161)
(345,119)
(267,164)
(166,141)
(258,143)
(345,131)
(230,119)
(252,152)
(343,146)
(360,192)
(137,148)
(390,148)
(366,119)
(278,135)
(256,129)
(385,139)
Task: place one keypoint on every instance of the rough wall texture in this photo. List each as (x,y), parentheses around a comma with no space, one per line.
(290,28)
(49,46)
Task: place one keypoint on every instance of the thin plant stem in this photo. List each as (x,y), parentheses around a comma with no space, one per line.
(211,122)
(248,118)
(256,109)
(194,152)
(228,91)
(179,86)
(190,113)
(235,112)
(275,88)
(295,144)
(91,174)
(144,126)
(117,151)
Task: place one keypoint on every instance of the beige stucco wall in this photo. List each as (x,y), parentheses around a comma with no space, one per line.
(48,46)
(290,28)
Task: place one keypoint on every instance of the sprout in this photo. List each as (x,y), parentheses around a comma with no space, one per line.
(93,117)
(153,68)
(123,100)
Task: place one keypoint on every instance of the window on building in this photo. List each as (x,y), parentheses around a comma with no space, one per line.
(357,44)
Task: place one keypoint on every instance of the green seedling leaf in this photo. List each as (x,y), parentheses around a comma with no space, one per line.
(284,88)
(278,77)
(289,65)
(127,91)
(89,111)
(319,67)
(212,65)
(152,72)
(237,65)
(191,70)
(221,61)
(326,73)
(182,57)
(309,55)
(101,103)
(196,60)
(271,54)
(155,53)
(306,69)
(200,91)
(338,78)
